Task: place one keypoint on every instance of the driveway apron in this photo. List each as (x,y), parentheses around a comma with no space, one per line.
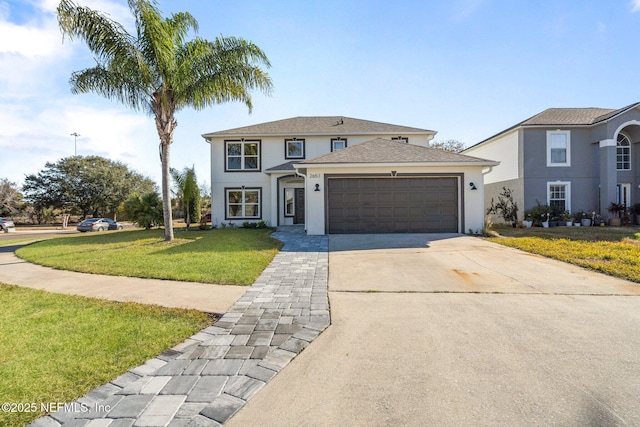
(450,330)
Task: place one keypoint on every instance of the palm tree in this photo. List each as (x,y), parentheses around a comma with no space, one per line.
(158,70)
(188,192)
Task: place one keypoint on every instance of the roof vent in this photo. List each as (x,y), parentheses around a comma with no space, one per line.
(340,122)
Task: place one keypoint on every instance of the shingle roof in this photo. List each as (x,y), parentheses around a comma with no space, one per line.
(324,125)
(284,167)
(567,116)
(381,150)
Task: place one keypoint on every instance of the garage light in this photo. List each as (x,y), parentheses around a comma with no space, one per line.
(473,186)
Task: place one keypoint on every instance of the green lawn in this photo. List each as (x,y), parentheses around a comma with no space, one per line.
(611,250)
(221,256)
(56,348)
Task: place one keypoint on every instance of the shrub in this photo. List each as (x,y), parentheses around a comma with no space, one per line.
(506,207)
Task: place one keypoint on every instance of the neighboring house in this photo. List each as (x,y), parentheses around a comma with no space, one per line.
(343,175)
(578,159)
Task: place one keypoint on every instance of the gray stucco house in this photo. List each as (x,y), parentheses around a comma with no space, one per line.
(572,158)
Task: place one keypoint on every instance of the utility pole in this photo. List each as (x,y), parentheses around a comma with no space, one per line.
(75,136)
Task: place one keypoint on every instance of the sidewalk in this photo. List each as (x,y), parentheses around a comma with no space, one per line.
(168,293)
(206,379)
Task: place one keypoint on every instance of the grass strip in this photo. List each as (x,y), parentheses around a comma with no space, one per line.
(56,348)
(615,258)
(220,256)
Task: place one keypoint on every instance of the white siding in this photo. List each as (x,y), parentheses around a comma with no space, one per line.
(503,149)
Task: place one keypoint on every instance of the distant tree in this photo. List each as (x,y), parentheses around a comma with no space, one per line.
(450,145)
(90,185)
(188,193)
(156,69)
(10,198)
(145,211)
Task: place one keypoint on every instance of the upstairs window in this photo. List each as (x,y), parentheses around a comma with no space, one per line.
(294,148)
(623,153)
(558,148)
(338,144)
(242,156)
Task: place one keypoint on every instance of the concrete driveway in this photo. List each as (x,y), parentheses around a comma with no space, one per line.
(450,330)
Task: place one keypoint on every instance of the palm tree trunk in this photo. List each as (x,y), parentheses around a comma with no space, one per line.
(166,191)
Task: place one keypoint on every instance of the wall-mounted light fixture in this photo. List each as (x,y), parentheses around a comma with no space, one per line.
(473,186)
(243,187)
(394,173)
(317,187)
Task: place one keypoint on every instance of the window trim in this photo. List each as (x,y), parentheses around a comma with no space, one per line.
(568,149)
(333,140)
(628,147)
(242,141)
(293,202)
(286,148)
(243,190)
(567,193)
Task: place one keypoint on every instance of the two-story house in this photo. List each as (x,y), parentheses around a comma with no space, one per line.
(578,159)
(343,175)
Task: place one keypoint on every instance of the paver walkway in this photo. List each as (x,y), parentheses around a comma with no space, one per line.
(206,379)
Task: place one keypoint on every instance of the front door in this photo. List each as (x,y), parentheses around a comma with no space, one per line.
(624,194)
(298,217)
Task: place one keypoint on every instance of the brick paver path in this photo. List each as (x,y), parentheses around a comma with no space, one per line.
(210,376)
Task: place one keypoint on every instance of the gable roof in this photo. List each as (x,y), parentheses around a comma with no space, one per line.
(381,150)
(565,117)
(319,125)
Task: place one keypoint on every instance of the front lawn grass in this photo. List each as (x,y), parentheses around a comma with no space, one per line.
(221,256)
(56,348)
(611,250)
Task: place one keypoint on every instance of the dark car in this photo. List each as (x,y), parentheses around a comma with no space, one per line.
(6,223)
(99,224)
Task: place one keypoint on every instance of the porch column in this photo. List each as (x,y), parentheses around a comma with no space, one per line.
(608,175)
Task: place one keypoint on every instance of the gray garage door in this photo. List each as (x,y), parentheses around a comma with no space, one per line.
(392,205)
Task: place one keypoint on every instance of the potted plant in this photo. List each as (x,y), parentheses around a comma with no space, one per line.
(586,219)
(540,214)
(528,220)
(567,218)
(577,218)
(616,209)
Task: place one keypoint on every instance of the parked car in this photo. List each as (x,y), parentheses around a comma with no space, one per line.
(6,223)
(99,224)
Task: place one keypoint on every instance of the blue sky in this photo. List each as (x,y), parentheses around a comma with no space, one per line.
(465,68)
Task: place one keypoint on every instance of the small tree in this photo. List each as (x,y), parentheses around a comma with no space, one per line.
(506,207)
(188,193)
(145,211)
(450,145)
(10,198)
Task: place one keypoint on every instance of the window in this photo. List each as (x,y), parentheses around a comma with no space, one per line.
(338,144)
(558,196)
(242,155)
(289,202)
(558,148)
(243,203)
(294,148)
(400,138)
(623,153)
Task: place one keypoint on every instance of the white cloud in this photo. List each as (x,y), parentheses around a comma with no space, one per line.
(635,5)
